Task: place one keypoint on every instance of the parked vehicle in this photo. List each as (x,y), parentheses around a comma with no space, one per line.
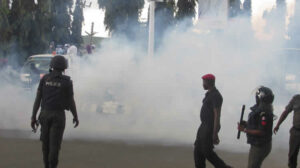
(35,68)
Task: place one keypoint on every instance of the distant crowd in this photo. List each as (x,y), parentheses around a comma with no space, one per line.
(68,49)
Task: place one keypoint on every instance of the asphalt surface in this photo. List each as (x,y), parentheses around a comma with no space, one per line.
(16,152)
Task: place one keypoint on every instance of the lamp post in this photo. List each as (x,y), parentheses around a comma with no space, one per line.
(152,27)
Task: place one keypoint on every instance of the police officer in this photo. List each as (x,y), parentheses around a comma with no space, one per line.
(294,105)
(54,95)
(259,127)
(207,135)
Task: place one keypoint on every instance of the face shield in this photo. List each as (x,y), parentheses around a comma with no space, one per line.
(256,92)
(263,94)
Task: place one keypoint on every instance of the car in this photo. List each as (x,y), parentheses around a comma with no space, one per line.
(35,67)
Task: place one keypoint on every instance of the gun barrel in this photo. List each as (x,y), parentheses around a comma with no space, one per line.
(241,120)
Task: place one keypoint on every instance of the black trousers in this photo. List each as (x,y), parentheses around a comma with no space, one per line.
(204,149)
(294,147)
(52,129)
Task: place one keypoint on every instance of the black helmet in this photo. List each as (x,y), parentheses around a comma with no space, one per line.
(265,95)
(59,62)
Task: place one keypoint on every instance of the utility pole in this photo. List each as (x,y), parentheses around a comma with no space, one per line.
(151,39)
(83,4)
(91,34)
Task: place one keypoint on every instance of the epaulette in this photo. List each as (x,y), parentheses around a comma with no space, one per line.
(45,76)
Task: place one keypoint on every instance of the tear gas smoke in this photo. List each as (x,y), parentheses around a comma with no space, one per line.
(123,94)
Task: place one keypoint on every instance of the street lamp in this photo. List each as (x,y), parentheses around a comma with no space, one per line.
(152,27)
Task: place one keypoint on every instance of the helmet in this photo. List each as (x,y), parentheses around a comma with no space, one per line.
(265,95)
(59,62)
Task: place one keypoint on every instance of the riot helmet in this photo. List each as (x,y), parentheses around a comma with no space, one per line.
(59,62)
(264,95)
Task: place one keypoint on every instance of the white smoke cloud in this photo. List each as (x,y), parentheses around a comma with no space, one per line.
(160,97)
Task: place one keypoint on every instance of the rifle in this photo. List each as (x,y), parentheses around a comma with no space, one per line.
(241,120)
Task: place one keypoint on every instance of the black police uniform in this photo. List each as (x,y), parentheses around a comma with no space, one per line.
(204,140)
(260,118)
(56,92)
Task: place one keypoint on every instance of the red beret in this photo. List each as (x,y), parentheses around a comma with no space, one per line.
(209,77)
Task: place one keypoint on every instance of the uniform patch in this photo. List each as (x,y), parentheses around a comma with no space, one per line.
(263,121)
(54,84)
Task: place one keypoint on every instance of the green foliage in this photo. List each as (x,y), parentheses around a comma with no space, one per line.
(280,3)
(61,21)
(234,8)
(164,18)
(23,26)
(43,20)
(27,28)
(4,25)
(77,23)
(164,15)
(4,11)
(247,7)
(186,9)
(121,15)
(166,8)
(5,32)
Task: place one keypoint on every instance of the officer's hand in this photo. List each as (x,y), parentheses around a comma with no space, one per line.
(243,123)
(34,125)
(241,127)
(276,129)
(216,139)
(76,122)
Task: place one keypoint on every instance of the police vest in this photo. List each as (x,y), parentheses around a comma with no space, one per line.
(260,119)
(56,91)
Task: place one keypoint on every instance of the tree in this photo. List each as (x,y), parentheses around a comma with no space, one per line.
(28,27)
(44,28)
(280,3)
(186,9)
(61,21)
(281,9)
(234,8)
(23,27)
(5,32)
(247,6)
(76,29)
(164,18)
(122,16)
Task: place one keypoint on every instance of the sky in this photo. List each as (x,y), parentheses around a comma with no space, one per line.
(94,14)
